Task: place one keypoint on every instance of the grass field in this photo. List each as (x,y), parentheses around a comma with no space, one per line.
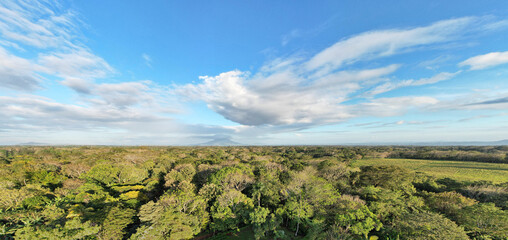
(462,171)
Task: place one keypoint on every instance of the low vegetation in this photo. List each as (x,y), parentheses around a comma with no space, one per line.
(460,171)
(251,193)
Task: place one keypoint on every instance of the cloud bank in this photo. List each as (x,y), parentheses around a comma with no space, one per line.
(326,87)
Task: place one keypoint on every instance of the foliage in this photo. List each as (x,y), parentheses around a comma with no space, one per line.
(386,176)
(484,220)
(116,222)
(449,203)
(237,177)
(73,229)
(358,221)
(286,192)
(231,209)
(427,225)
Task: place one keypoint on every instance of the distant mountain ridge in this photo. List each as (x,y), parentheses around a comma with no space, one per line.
(220,142)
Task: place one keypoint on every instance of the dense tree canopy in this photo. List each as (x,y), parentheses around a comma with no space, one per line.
(265,192)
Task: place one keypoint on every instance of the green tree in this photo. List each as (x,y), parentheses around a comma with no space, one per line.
(116,222)
(182,172)
(237,177)
(448,203)
(389,177)
(73,229)
(179,214)
(231,209)
(358,221)
(427,225)
(389,204)
(258,218)
(484,220)
(298,211)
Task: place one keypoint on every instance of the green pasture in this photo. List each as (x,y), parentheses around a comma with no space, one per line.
(458,170)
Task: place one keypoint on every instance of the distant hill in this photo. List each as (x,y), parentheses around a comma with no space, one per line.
(220,142)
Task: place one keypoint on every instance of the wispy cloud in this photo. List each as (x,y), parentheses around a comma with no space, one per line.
(52,33)
(502,100)
(486,60)
(147,59)
(291,35)
(375,44)
(18,73)
(40,24)
(389,86)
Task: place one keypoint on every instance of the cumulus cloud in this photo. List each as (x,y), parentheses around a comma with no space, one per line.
(229,95)
(242,99)
(324,88)
(486,60)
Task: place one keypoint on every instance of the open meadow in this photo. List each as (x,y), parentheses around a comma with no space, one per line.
(457,170)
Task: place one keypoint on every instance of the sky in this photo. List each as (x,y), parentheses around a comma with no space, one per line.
(252,72)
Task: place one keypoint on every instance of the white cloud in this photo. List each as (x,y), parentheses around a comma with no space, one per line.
(486,60)
(389,86)
(124,94)
(385,107)
(121,95)
(77,63)
(38,23)
(258,101)
(34,118)
(288,37)
(51,33)
(287,94)
(384,43)
(77,84)
(17,73)
(295,91)
(147,59)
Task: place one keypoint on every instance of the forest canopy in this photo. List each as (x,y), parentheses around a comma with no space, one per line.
(293,192)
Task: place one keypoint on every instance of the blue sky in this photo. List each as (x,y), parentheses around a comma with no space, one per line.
(254,72)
